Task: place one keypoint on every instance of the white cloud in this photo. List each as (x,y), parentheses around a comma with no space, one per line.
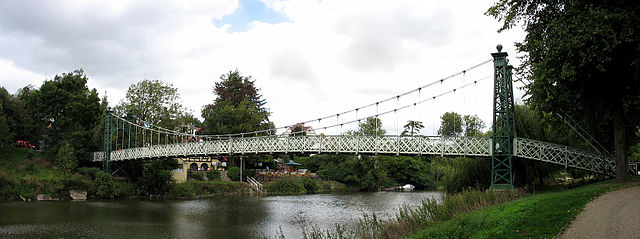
(330,56)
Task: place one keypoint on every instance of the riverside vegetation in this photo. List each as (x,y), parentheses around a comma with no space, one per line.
(476,214)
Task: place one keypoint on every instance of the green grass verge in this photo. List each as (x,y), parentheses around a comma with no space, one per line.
(538,216)
(193,189)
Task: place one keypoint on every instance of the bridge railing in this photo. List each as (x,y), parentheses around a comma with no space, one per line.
(408,145)
(564,155)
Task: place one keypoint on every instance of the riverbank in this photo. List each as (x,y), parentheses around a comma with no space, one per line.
(542,215)
(25,174)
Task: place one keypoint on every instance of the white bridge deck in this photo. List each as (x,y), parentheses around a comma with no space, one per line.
(396,145)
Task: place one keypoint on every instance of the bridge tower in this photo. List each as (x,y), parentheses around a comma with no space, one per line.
(503,122)
(108,133)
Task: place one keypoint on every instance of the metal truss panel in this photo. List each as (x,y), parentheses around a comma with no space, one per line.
(563,155)
(343,144)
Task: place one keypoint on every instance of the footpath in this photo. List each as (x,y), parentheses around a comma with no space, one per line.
(613,215)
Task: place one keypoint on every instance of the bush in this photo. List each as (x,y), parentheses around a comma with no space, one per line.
(310,185)
(287,186)
(234,173)
(182,190)
(156,177)
(197,176)
(108,187)
(213,175)
(66,159)
(90,172)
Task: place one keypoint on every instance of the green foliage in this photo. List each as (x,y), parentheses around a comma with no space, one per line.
(213,175)
(69,110)
(108,187)
(153,101)
(198,175)
(371,127)
(412,127)
(238,107)
(66,159)
(192,189)
(287,186)
(459,174)
(298,186)
(473,125)
(411,170)
(89,172)
(233,173)
(156,177)
(6,136)
(451,124)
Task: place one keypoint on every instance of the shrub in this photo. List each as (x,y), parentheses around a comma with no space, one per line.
(66,159)
(197,176)
(234,173)
(287,186)
(104,185)
(90,172)
(213,175)
(182,190)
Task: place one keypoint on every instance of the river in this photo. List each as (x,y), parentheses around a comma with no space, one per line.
(217,217)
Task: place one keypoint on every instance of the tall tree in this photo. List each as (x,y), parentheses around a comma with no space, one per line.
(70,111)
(5,132)
(473,125)
(412,127)
(451,124)
(238,107)
(153,101)
(371,127)
(583,59)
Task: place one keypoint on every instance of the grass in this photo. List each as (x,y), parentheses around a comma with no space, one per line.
(297,186)
(25,173)
(193,189)
(543,215)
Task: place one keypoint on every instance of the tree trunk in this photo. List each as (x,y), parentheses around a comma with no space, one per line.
(620,145)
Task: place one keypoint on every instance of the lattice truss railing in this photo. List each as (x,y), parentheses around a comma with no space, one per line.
(563,155)
(406,145)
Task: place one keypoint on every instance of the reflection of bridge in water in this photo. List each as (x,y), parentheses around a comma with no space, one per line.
(502,146)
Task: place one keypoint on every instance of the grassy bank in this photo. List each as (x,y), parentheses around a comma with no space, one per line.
(25,173)
(542,215)
(296,186)
(194,189)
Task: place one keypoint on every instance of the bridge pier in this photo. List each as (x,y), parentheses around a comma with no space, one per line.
(503,123)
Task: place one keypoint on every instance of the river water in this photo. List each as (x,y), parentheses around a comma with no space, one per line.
(218,217)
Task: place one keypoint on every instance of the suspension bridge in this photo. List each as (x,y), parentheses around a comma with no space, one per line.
(126,138)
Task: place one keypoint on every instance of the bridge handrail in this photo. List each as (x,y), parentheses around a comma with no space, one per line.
(563,155)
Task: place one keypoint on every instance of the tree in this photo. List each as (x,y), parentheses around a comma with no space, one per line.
(238,107)
(153,101)
(69,110)
(66,159)
(451,124)
(582,59)
(412,127)
(371,127)
(473,125)
(5,132)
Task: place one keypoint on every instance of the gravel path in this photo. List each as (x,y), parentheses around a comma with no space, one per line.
(613,215)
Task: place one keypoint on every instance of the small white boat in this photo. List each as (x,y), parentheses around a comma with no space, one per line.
(408,187)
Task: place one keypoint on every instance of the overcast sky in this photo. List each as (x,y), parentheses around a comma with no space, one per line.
(309,58)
